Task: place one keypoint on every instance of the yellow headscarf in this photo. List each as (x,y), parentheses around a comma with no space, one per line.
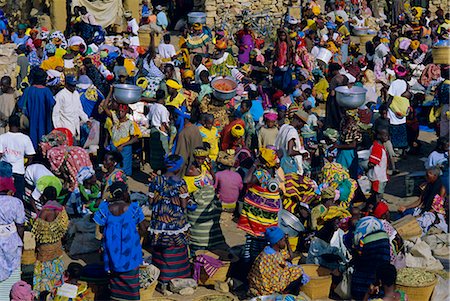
(237,131)
(200,152)
(269,155)
(335,212)
(173,84)
(316,10)
(415,44)
(188,73)
(197,26)
(221,44)
(419,11)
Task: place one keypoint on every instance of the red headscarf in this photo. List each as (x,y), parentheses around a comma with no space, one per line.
(7,184)
(380,210)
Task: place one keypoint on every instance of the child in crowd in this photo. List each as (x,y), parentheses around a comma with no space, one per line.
(210,134)
(166,50)
(247,117)
(72,286)
(307,95)
(205,88)
(228,182)
(378,163)
(382,122)
(268,133)
(123,132)
(7,102)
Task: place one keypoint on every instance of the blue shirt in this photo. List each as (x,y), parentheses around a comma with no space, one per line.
(145,11)
(161,20)
(121,241)
(19,41)
(256,110)
(312,100)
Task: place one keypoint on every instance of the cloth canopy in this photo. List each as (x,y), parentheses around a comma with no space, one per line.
(106,12)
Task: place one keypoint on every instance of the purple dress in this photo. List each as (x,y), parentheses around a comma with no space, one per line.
(246,39)
(11,212)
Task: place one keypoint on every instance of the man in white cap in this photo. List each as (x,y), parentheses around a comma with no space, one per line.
(132,28)
(68,111)
(161,18)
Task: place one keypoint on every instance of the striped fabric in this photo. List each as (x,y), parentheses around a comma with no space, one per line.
(125,286)
(260,211)
(205,220)
(173,262)
(298,189)
(5,285)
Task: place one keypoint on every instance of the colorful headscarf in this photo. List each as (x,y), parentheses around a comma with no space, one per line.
(22,291)
(400,70)
(365,226)
(201,152)
(269,155)
(173,84)
(22,26)
(197,26)
(237,131)
(85,173)
(7,184)
(381,209)
(188,74)
(415,44)
(50,48)
(221,44)
(335,212)
(271,115)
(173,165)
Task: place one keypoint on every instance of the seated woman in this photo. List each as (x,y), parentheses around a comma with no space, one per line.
(433,189)
(320,251)
(272,272)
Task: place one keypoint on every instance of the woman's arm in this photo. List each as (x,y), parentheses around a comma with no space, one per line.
(250,177)
(132,140)
(291,151)
(107,102)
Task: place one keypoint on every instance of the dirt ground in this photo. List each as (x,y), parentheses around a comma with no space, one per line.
(395,196)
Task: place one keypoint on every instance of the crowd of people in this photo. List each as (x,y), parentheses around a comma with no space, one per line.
(283,145)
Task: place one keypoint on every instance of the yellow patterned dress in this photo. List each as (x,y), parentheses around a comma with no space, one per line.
(272,273)
(49,267)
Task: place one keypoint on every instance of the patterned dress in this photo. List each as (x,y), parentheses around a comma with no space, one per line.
(205,218)
(169,227)
(272,273)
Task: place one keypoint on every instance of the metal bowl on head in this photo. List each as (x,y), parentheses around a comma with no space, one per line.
(350,98)
(360,31)
(289,223)
(196,17)
(127,94)
(224,88)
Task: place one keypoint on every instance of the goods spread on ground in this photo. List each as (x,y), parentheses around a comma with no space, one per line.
(414,277)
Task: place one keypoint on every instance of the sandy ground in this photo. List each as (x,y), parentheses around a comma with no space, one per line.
(395,195)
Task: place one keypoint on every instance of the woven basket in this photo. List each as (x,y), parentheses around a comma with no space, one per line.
(147,293)
(408,227)
(28,257)
(441,55)
(415,293)
(144,38)
(211,297)
(319,285)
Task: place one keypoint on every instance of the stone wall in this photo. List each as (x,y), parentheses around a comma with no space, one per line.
(435,4)
(216,9)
